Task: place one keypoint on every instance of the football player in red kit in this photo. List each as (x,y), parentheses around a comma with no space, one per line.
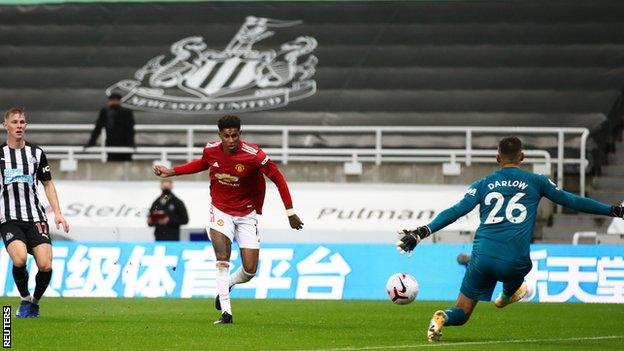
(237,188)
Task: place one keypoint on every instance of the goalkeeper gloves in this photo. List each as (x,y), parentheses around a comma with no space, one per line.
(617,211)
(410,238)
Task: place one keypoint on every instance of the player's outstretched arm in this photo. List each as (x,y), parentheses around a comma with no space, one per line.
(50,191)
(163,171)
(194,166)
(273,173)
(617,211)
(578,203)
(410,238)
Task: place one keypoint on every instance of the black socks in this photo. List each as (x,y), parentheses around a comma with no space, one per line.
(20,275)
(42,279)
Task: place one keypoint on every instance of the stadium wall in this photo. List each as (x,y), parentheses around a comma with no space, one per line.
(338,212)
(331,172)
(561,273)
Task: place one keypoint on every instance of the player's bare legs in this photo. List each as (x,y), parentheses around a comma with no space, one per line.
(43,258)
(221,244)
(248,269)
(18,253)
(457,315)
(467,305)
(513,291)
(245,272)
(223,248)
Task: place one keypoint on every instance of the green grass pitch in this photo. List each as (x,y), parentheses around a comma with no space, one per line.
(186,324)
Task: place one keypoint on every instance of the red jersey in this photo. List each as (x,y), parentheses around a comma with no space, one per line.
(237,185)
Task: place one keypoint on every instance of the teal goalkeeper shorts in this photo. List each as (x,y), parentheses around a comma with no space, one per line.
(483,272)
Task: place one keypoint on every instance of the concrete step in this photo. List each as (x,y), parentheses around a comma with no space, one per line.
(613,170)
(561,234)
(617,239)
(617,157)
(564,234)
(601,238)
(582,221)
(607,196)
(609,183)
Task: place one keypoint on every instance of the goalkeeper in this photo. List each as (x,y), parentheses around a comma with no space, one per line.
(508,200)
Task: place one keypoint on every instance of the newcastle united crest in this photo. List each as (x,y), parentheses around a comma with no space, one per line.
(196,79)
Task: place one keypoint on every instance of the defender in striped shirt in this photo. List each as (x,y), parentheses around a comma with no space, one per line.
(23,223)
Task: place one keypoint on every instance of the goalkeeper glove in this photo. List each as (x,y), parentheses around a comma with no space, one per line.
(617,211)
(410,238)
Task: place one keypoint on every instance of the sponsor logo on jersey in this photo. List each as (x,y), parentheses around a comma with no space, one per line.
(16,175)
(471,192)
(239,168)
(220,223)
(215,164)
(9,236)
(226,178)
(240,78)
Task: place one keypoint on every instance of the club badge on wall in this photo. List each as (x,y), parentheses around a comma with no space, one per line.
(198,80)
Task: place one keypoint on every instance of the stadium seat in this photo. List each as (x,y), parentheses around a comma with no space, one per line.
(412,63)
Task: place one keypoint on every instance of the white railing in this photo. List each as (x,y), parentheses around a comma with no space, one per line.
(587,235)
(377,154)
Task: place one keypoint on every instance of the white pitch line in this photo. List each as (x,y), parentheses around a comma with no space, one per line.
(466,343)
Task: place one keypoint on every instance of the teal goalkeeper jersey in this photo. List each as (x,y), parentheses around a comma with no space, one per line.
(508,200)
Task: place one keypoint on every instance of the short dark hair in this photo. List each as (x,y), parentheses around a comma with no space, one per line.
(114,96)
(12,111)
(229,121)
(510,148)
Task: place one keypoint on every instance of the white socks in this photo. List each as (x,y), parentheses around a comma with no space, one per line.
(223,285)
(240,276)
(225,282)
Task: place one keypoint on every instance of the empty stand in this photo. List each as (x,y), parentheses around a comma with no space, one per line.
(384,63)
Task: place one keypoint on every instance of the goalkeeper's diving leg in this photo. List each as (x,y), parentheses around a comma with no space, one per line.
(456,315)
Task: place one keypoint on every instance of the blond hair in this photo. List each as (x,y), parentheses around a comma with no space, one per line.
(12,111)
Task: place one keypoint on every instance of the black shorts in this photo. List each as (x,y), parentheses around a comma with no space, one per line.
(30,233)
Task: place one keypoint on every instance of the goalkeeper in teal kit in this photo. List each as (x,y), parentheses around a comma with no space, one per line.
(508,200)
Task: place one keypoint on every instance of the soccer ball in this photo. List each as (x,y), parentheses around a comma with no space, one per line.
(402,288)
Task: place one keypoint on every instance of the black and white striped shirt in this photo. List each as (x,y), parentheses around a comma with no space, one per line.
(21,169)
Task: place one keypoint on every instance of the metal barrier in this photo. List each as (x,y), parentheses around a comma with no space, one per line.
(587,235)
(377,154)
